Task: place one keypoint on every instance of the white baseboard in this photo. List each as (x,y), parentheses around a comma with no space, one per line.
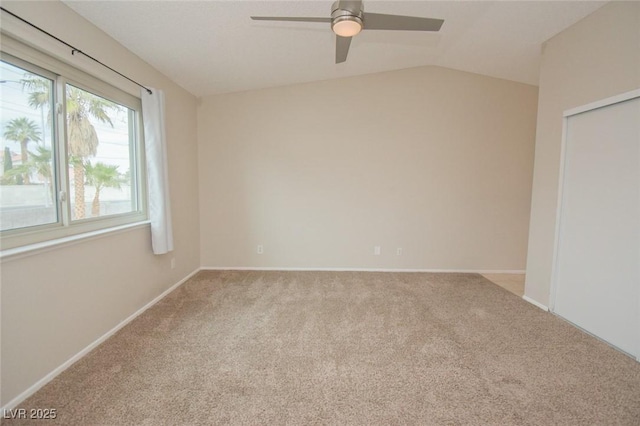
(536,303)
(284,268)
(46,379)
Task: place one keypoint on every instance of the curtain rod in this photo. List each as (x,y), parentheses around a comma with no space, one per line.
(74,49)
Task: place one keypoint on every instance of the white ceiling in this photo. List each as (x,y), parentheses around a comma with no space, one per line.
(211,47)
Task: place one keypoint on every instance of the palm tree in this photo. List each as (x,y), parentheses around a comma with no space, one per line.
(82,137)
(40,162)
(39,91)
(101,176)
(22,130)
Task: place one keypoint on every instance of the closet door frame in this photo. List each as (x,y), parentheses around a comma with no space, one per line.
(559,213)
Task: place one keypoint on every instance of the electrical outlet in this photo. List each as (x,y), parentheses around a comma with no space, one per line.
(260,249)
(399,251)
(173,263)
(376,250)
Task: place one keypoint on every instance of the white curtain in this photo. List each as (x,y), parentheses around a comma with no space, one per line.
(157,171)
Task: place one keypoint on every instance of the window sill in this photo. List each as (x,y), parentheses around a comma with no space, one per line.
(33,249)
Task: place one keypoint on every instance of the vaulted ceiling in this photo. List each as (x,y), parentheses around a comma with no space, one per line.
(211,47)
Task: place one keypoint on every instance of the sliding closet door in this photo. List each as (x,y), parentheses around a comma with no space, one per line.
(597,270)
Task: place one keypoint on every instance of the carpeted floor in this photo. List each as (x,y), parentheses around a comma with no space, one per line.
(346,348)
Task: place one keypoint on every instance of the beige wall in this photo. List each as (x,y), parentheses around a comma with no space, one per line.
(594,59)
(435,161)
(57,302)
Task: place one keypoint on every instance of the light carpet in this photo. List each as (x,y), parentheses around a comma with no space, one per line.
(345,348)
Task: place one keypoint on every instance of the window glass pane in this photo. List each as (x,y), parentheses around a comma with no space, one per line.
(100,141)
(27,175)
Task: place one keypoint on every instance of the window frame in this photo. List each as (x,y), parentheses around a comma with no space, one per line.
(38,62)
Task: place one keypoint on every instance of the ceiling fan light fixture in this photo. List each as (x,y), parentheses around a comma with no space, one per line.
(346,26)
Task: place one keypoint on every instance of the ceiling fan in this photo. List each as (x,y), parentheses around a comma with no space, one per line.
(348,18)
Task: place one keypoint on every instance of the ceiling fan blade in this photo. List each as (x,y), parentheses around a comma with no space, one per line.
(342,48)
(381,21)
(290,18)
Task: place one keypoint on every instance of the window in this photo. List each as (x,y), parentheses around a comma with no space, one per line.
(70,151)
(27,183)
(100,134)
